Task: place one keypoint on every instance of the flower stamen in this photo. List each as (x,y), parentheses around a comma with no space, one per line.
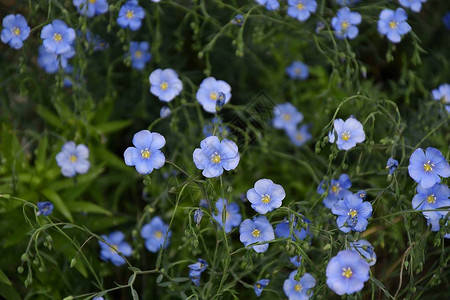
(347,272)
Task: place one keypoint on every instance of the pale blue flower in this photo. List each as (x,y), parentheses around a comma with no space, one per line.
(349,133)
(301,9)
(91,8)
(165,112)
(442,93)
(165,84)
(117,243)
(270,4)
(301,289)
(15,30)
(45,208)
(298,70)
(156,233)
(232,216)
(299,136)
(393,24)
(139,54)
(426,167)
(260,285)
(208,93)
(266,196)
(414,5)
(131,15)
(58,37)
(344,23)
(286,116)
(255,231)
(73,159)
(352,213)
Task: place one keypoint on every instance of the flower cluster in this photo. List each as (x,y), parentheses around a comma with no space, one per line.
(287,117)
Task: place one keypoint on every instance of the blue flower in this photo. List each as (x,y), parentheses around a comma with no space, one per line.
(216,127)
(296,260)
(298,70)
(145,155)
(299,136)
(165,112)
(58,37)
(52,62)
(255,231)
(165,84)
(365,249)
(15,30)
(260,285)
(362,194)
(347,272)
(266,196)
(393,24)
(195,270)
(91,8)
(238,20)
(198,215)
(349,133)
(299,290)
(98,298)
(45,208)
(232,216)
(155,233)
(414,5)
(213,156)
(352,213)
(425,168)
(131,15)
(139,54)
(436,226)
(392,165)
(344,23)
(446,20)
(337,190)
(110,253)
(73,159)
(286,116)
(301,9)
(208,93)
(442,93)
(430,199)
(283,230)
(270,4)
(347,2)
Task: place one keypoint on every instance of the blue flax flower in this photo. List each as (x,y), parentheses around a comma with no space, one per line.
(214,156)
(58,37)
(393,24)
(296,260)
(110,253)
(208,93)
(442,93)
(283,230)
(425,168)
(232,216)
(165,84)
(145,155)
(365,249)
(260,285)
(298,70)
(349,133)
(392,165)
(256,230)
(216,127)
(446,20)
(139,54)
(436,226)
(45,208)
(301,9)
(286,116)
(301,289)
(414,5)
(238,20)
(73,159)
(165,112)
(347,272)
(270,4)
(344,23)
(131,15)
(337,190)
(15,30)
(431,199)
(196,270)
(90,8)
(299,136)
(266,196)
(52,62)
(154,233)
(361,194)
(352,213)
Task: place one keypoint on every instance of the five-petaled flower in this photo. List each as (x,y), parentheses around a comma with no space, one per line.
(156,234)
(347,272)
(131,15)
(196,270)
(393,24)
(442,93)
(208,93)
(214,156)
(139,54)
(73,159)
(426,167)
(52,62)
(254,231)
(145,155)
(349,133)
(58,37)
(299,289)
(270,4)
(286,116)
(365,249)
(15,30)
(337,190)
(165,84)
(228,212)
(260,285)
(90,8)
(431,199)
(283,230)
(117,243)
(352,213)
(299,136)
(301,9)
(414,5)
(298,70)
(344,23)
(266,196)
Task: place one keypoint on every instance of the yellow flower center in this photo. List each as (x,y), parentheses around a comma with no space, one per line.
(158,234)
(258,286)
(265,198)
(299,137)
(300,6)
(286,117)
(145,153)
(345,135)
(73,158)
(352,213)
(428,167)
(129,14)
(347,272)
(138,54)
(164,85)
(57,37)
(256,233)
(393,24)
(16,30)
(213,96)
(298,287)
(335,188)
(215,158)
(431,199)
(92,1)
(345,25)
(114,248)
(297,70)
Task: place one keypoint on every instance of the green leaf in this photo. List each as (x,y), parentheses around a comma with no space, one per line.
(87,207)
(3,278)
(112,126)
(58,203)
(41,154)
(134,294)
(8,292)
(50,117)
